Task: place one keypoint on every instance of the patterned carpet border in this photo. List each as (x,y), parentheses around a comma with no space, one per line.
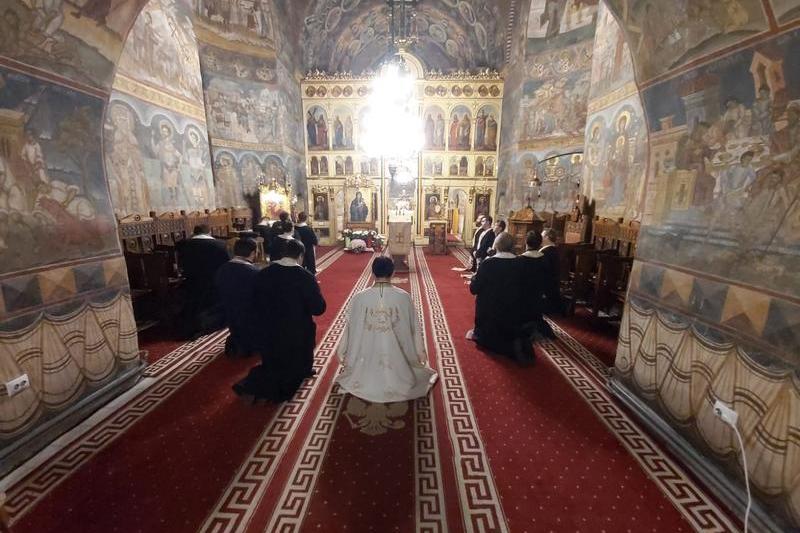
(36,485)
(429,498)
(297,493)
(176,356)
(170,373)
(593,363)
(234,510)
(690,500)
(589,359)
(687,497)
(480,505)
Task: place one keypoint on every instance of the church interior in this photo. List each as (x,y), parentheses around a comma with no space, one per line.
(659,140)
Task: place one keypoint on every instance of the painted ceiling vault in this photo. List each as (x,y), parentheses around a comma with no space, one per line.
(352,35)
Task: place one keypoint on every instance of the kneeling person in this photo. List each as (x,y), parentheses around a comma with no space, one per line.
(497,286)
(235,281)
(382,351)
(287,296)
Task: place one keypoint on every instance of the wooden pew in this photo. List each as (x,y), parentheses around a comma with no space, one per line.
(220,222)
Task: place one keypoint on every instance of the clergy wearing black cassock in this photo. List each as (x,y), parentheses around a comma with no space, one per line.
(235,281)
(287,297)
(496,285)
(309,240)
(199,258)
(532,271)
(552,284)
(282,231)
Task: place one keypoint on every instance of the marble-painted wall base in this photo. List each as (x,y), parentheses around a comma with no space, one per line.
(729,491)
(13,453)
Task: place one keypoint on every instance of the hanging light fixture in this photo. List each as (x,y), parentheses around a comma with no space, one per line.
(393,127)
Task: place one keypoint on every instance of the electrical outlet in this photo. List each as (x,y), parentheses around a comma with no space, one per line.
(18,384)
(728,415)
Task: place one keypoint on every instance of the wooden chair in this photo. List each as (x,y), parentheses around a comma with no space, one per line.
(610,282)
(241,218)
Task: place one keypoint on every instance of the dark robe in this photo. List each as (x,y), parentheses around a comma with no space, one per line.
(498,322)
(485,244)
(286,299)
(199,260)
(552,283)
(309,240)
(532,272)
(235,282)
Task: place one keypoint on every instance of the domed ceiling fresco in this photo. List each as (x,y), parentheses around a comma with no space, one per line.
(352,35)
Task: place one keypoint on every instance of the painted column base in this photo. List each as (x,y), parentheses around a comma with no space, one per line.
(728,490)
(15,452)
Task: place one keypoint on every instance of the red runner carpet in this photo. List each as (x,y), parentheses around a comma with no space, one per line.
(494,447)
(593,332)
(168,469)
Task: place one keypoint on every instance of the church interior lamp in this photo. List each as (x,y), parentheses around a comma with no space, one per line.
(393,129)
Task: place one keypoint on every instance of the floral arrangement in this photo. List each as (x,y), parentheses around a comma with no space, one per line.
(371,238)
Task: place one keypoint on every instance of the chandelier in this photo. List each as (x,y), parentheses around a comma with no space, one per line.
(393,128)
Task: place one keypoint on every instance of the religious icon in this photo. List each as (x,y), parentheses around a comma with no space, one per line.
(342,130)
(314,166)
(463,166)
(433,207)
(460,129)
(453,170)
(482,204)
(434,128)
(486,129)
(320,207)
(317,129)
(323,166)
(359,209)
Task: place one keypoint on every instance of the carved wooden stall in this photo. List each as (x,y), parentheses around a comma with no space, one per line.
(520,223)
(150,245)
(437,238)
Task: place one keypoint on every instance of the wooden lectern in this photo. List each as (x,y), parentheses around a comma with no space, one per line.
(400,243)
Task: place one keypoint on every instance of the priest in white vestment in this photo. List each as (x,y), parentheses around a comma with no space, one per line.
(382,352)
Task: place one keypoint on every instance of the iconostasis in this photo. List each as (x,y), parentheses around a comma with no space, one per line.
(453,179)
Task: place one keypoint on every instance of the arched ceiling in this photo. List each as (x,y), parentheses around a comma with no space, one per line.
(352,35)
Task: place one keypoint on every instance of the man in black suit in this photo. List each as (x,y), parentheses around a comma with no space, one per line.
(199,259)
(532,267)
(486,241)
(498,321)
(235,282)
(474,265)
(309,240)
(287,297)
(552,284)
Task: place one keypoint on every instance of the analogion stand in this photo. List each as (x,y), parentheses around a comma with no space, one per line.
(399,240)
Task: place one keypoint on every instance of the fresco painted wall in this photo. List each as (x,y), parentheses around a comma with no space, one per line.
(615,149)
(665,35)
(252,99)
(352,36)
(79,41)
(547,90)
(714,308)
(156,144)
(65,313)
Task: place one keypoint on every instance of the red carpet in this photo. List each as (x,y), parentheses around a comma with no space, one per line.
(596,333)
(169,468)
(495,447)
